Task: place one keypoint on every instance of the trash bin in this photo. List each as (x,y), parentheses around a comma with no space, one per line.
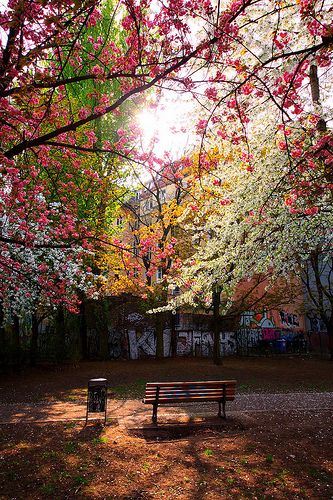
(97,396)
(280,345)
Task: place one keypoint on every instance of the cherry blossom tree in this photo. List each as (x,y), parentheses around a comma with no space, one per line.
(49,49)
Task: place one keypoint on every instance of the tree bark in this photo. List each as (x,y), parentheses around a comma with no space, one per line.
(315,94)
(216,326)
(329,327)
(83,330)
(104,353)
(173,333)
(159,336)
(3,346)
(34,340)
(61,335)
(17,341)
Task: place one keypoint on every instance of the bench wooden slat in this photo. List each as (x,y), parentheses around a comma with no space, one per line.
(167,395)
(184,398)
(218,391)
(152,393)
(218,383)
(187,400)
(189,389)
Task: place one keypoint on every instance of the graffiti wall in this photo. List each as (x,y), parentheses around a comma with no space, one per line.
(278,331)
(258,332)
(142,344)
(189,343)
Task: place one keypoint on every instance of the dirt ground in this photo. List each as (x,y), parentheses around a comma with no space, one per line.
(259,451)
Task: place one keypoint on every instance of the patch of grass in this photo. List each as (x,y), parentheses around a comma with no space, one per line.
(280,478)
(70,425)
(80,481)
(146,466)
(282,474)
(230,481)
(243,387)
(132,390)
(70,447)
(269,458)
(120,390)
(208,452)
(321,474)
(111,420)
(74,395)
(48,489)
(50,454)
(99,440)
(64,475)
(244,461)
(70,397)
(220,469)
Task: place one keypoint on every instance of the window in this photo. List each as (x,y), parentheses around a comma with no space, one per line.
(149,203)
(159,274)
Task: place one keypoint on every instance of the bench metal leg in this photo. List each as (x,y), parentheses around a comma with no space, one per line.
(221,413)
(154,417)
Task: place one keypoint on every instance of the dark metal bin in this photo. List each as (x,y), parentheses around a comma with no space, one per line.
(97,397)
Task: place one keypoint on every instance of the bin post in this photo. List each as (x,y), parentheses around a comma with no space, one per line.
(97,397)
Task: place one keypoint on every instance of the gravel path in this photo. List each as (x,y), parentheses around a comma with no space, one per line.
(133,412)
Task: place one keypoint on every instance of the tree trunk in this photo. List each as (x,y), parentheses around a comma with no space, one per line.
(216,326)
(17,341)
(60,336)
(3,346)
(173,338)
(34,340)
(330,337)
(159,323)
(83,330)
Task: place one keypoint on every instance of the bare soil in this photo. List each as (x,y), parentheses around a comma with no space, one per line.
(260,452)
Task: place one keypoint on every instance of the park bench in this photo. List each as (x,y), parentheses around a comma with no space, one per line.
(162,393)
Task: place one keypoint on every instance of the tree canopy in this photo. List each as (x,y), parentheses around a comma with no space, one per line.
(69,68)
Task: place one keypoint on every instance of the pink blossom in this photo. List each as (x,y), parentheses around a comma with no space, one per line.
(225,201)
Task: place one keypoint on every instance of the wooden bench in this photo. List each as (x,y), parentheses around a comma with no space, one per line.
(162,393)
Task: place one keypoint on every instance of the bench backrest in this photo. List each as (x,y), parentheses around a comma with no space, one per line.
(212,390)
